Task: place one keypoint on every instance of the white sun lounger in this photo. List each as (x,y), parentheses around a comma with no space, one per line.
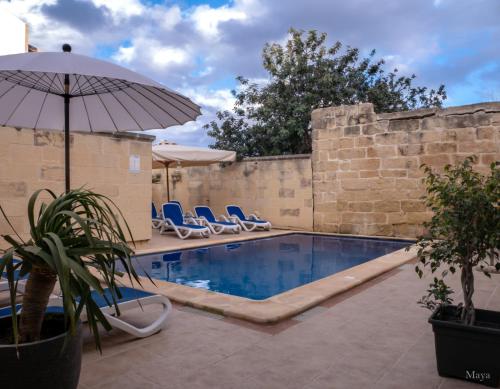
(250,223)
(205,214)
(131,299)
(174,220)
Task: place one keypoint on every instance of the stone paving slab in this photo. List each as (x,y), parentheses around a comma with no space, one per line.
(373,336)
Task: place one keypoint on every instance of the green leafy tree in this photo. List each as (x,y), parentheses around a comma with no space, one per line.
(463,233)
(304,75)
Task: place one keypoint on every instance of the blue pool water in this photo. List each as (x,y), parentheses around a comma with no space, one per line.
(261,268)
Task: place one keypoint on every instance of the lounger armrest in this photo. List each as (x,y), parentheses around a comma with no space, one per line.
(253,216)
(223,218)
(202,221)
(149,330)
(188,214)
(192,220)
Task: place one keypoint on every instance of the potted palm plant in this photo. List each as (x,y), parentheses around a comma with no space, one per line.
(74,238)
(462,236)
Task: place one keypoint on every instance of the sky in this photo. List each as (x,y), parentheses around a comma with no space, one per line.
(198,47)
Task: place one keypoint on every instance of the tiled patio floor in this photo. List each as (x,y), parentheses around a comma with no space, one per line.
(170,241)
(374,336)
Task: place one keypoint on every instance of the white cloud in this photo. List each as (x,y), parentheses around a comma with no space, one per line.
(121,9)
(220,99)
(125,54)
(165,56)
(207,19)
(167,18)
(205,72)
(152,54)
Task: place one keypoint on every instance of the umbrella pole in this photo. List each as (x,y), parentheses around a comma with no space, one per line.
(168,184)
(66,133)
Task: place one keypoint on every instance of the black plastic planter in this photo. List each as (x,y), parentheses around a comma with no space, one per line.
(471,353)
(44,364)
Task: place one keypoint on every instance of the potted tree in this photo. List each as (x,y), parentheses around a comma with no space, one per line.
(463,235)
(74,238)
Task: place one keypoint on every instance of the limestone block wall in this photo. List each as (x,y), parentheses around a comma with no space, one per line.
(366,166)
(30,160)
(278,188)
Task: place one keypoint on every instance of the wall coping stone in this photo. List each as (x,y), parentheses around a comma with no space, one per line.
(492,107)
(123,135)
(116,135)
(488,107)
(277,157)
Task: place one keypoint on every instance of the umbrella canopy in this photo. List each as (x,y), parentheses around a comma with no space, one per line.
(104,97)
(189,156)
(166,154)
(59,91)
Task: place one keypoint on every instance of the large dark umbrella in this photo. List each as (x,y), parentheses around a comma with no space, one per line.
(63,91)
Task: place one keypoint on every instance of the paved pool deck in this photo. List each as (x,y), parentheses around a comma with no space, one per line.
(372,336)
(275,308)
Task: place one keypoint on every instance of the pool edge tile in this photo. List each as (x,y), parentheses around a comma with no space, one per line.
(284,305)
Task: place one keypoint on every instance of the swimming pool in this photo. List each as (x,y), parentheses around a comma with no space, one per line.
(260,268)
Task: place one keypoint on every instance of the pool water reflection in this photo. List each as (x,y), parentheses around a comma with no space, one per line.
(261,268)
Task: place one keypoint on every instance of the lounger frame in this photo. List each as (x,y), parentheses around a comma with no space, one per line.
(216,227)
(183,231)
(248,224)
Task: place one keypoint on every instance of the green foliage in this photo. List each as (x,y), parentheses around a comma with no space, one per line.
(464,231)
(71,235)
(304,75)
(437,294)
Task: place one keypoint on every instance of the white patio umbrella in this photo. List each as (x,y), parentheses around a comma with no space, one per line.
(63,91)
(167,154)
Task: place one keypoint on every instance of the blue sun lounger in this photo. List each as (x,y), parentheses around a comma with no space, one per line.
(21,281)
(206,215)
(131,298)
(156,218)
(250,223)
(174,220)
(187,215)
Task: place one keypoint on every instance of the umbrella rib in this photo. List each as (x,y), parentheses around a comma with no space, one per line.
(103,87)
(126,110)
(61,83)
(105,107)
(18,104)
(30,76)
(75,84)
(8,90)
(26,79)
(124,90)
(174,96)
(89,87)
(82,86)
(84,104)
(132,86)
(43,102)
(48,82)
(40,111)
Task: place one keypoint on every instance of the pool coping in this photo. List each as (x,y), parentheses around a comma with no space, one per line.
(284,305)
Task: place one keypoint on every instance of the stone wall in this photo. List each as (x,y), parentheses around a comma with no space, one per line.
(278,188)
(366,166)
(31,160)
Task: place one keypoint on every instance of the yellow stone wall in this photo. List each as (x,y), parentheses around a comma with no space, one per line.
(366,167)
(32,160)
(278,188)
